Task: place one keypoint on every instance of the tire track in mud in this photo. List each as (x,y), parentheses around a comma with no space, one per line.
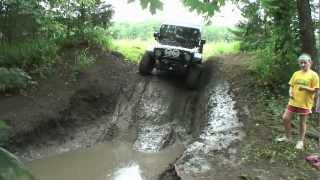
(214,149)
(165,112)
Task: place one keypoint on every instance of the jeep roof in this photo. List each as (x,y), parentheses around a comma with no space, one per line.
(183,24)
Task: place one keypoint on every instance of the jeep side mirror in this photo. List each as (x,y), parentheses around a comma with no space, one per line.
(202,42)
(156,35)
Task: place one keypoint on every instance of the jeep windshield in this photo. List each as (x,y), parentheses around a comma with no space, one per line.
(179,36)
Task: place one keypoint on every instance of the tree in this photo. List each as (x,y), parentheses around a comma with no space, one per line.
(307,37)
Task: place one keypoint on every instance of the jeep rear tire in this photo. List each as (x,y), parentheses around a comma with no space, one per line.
(146,64)
(193,76)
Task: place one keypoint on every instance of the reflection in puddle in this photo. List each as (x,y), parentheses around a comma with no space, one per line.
(133,172)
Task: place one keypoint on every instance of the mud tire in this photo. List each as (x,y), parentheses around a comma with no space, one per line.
(146,64)
(193,77)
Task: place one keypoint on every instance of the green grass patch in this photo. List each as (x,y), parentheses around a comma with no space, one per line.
(132,49)
(220,48)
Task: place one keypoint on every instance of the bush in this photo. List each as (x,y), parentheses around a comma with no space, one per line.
(272,70)
(98,36)
(13,79)
(33,56)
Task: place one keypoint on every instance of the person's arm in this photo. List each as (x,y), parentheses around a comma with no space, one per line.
(314,85)
(290,92)
(306,88)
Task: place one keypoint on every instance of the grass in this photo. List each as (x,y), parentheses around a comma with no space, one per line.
(134,49)
(220,48)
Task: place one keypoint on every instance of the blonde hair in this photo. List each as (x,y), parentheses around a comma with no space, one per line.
(305,57)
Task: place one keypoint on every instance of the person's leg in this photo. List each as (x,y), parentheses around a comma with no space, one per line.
(318,128)
(303,126)
(286,117)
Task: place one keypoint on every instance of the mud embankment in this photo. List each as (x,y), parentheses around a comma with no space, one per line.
(113,103)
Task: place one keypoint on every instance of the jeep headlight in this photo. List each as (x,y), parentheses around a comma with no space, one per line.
(157,52)
(187,56)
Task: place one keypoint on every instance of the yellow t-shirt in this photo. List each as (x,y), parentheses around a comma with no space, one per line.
(303,98)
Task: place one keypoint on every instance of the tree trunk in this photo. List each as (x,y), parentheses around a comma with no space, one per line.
(307,37)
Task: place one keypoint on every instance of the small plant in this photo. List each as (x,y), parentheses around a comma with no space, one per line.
(13,79)
(81,63)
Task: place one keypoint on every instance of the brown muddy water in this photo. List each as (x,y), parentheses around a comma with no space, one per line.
(108,161)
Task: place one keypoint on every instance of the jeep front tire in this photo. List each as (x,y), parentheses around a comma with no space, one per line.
(146,64)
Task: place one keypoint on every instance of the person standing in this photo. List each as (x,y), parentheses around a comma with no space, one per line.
(303,87)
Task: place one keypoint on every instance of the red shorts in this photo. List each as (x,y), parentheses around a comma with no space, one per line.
(298,110)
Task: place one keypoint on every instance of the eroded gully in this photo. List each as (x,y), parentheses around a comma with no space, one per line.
(160,123)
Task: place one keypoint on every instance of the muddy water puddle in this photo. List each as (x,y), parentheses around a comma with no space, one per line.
(109,161)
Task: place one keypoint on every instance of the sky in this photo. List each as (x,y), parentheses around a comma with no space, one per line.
(229,15)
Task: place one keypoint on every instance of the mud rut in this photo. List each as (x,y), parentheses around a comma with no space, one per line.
(152,113)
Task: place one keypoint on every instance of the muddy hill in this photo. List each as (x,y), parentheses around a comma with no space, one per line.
(112,102)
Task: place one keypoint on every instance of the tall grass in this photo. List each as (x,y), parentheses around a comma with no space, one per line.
(220,48)
(132,49)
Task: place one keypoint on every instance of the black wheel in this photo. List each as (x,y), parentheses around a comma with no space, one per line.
(193,76)
(146,64)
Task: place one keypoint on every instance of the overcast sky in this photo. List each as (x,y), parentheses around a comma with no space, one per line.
(132,12)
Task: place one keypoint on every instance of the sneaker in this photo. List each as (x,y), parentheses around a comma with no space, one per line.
(283,139)
(299,145)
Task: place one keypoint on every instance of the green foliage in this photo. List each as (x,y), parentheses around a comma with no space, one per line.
(34,56)
(271,33)
(13,79)
(98,36)
(218,34)
(153,5)
(220,48)
(141,30)
(145,30)
(31,32)
(207,8)
(273,71)
(132,49)
(12,168)
(5,132)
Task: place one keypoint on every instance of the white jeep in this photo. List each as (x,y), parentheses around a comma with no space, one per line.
(179,49)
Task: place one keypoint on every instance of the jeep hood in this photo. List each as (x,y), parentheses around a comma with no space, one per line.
(158,45)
